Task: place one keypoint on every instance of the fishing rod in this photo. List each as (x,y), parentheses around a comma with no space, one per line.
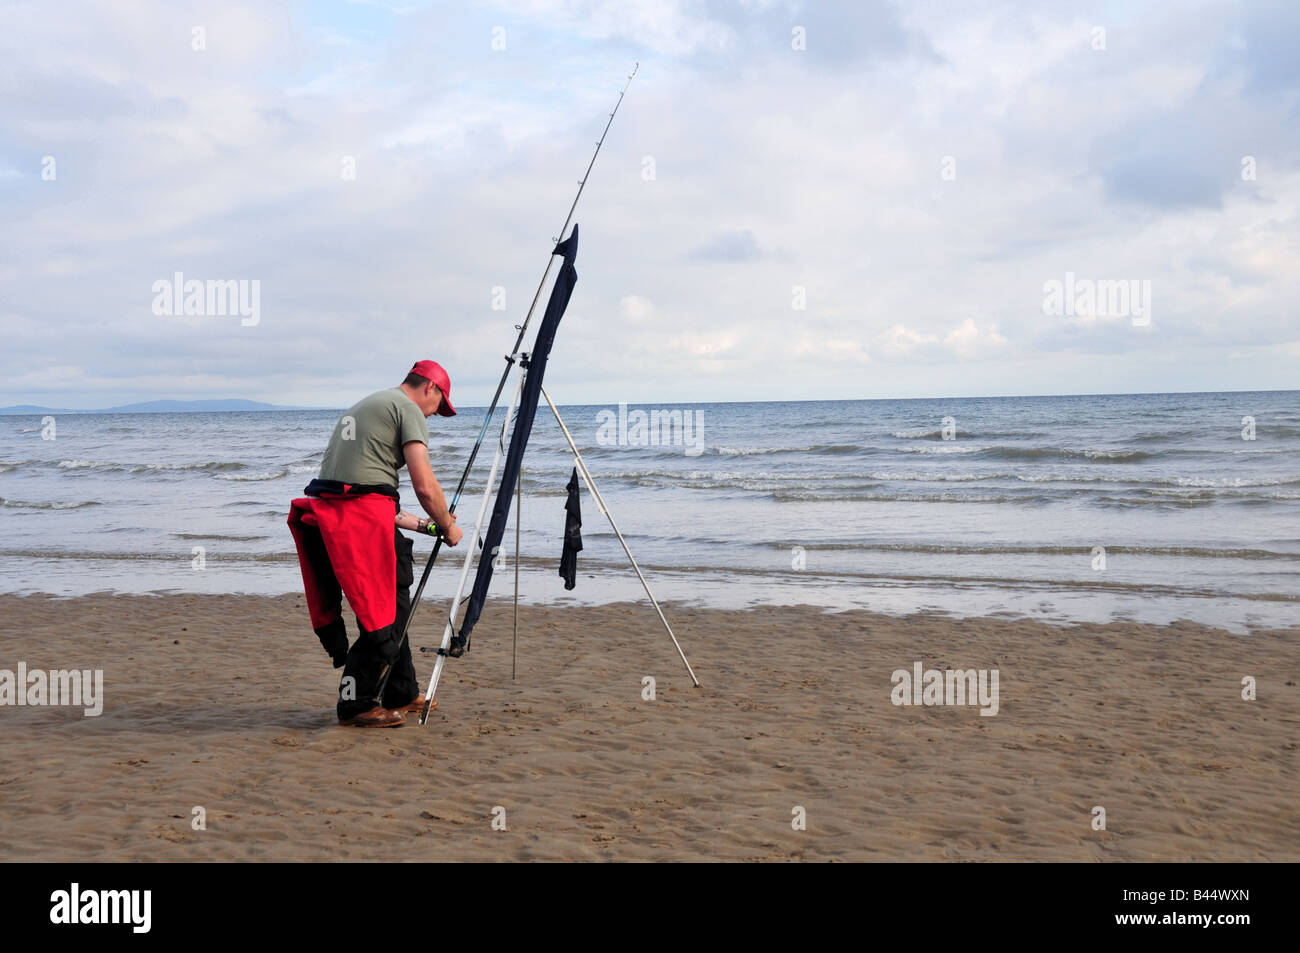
(511,359)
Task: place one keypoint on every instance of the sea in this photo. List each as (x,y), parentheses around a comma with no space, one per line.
(1146,507)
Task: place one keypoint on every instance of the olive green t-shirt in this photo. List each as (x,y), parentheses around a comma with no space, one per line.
(366,447)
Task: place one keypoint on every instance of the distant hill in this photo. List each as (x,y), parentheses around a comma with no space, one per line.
(182,406)
(158,407)
(33,409)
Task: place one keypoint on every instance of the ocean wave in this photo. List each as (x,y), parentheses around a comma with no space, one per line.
(671,477)
(1015,452)
(183,557)
(213,466)
(941,448)
(1055,477)
(917,434)
(1073,552)
(751,484)
(1178,492)
(971,476)
(109,466)
(1166,436)
(823,485)
(829,449)
(1152,503)
(1152,500)
(255,477)
(1225,482)
(932,476)
(884,496)
(235,539)
(91,555)
(926,433)
(1100,455)
(652,450)
(25,505)
(1110,454)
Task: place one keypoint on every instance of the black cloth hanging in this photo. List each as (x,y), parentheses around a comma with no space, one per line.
(536,367)
(572,534)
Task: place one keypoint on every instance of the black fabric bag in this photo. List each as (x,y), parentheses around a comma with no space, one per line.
(532,390)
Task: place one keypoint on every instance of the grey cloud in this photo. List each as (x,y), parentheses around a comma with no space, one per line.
(467,160)
(1166,176)
(839,36)
(1270,35)
(729,246)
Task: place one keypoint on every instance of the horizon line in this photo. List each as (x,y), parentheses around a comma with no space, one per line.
(272,407)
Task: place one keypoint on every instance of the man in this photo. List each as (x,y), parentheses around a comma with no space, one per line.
(346,532)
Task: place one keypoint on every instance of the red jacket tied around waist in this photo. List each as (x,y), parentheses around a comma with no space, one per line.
(345,543)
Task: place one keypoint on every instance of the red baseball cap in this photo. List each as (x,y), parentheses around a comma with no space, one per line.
(433,371)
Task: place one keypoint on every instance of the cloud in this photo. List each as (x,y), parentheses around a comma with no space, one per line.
(395,9)
(823,349)
(899,341)
(636,309)
(729,246)
(819,169)
(966,341)
(969,340)
(1166,164)
(674,29)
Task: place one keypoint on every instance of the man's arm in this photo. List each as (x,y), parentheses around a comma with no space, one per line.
(429,492)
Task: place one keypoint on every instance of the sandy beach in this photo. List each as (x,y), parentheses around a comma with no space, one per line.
(226,703)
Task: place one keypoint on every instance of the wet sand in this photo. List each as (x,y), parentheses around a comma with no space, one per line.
(227,703)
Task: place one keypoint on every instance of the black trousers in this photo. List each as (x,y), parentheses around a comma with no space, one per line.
(373,651)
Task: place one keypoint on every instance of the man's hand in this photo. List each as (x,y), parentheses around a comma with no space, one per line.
(451,532)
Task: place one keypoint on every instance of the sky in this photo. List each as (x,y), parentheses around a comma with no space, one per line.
(796,200)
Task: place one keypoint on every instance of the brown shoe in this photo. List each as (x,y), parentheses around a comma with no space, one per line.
(416,705)
(377,717)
